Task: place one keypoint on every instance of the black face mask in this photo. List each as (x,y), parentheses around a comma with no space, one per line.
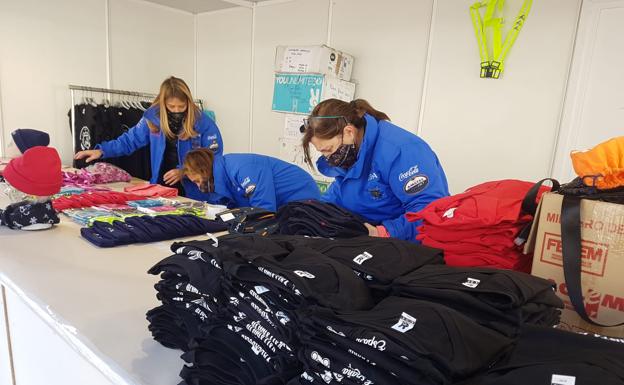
(175,120)
(206,187)
(345,156)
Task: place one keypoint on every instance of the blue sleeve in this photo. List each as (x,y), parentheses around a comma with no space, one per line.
(129,142)
(257,183)
(416,179)
(211,135)
(332,194)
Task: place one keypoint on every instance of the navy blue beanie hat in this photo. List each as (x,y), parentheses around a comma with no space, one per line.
(26,138)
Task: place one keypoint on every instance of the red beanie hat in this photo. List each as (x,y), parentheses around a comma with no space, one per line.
(36,172)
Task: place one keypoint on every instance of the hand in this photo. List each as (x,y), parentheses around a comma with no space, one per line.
(172,177)
(372,230)
(91,155)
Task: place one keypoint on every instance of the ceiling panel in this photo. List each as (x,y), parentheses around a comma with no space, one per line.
(195,6)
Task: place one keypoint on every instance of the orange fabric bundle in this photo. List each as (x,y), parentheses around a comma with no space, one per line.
(601,166)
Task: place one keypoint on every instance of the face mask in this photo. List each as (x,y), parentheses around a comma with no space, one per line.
(345,156)
(206,187)
(175,120)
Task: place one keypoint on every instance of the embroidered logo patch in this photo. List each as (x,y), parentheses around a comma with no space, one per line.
(249,190)
(416,184)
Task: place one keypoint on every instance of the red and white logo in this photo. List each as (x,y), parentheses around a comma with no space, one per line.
(593,254)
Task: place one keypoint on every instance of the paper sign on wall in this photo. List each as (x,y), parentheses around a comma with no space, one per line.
(300,93)
(292,125)
(291,151)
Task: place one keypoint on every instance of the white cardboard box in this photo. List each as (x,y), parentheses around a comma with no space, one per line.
(314,59)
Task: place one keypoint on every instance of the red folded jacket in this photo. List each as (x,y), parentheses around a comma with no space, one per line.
(484,205)
(92,199)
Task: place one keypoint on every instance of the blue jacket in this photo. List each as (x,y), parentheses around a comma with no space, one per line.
(140,136)
(243,180)
(396,172)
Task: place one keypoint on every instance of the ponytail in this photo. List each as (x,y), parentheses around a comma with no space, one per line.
(362,107)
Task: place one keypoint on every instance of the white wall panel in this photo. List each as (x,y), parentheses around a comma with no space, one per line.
(44,46)
(300,22)
(486,129)
(594,110)
(148,44)
(389,42)
(224,72)
(6,376)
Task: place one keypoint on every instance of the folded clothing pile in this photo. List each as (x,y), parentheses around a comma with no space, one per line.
(550,356)
(400,341)
(92,199)
(257,285)
(479,227)
(144,229)
(152,190)
(502,300)
(319,219)
(98,173)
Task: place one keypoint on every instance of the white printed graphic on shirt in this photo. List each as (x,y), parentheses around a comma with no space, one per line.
(472,282)
(406,322)
(365,256)
(304,274)
(374,342)
(558,379)
(320,359)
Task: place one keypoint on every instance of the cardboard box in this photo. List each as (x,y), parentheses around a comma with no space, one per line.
(602,254)
(314,59)
(300,93)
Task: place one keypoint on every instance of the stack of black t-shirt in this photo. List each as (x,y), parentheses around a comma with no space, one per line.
(400,341)
(297,309)
(190,292)
(545,355)
(316,218)
(502,300)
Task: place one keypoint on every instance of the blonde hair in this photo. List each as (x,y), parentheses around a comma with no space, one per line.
(175,88)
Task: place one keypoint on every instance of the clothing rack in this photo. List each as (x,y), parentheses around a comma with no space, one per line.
(73,88)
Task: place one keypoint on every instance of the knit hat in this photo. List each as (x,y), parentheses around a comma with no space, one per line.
(26,138)
(36,172)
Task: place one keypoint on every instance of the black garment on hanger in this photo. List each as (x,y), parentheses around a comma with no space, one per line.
(83,130)
(100,123)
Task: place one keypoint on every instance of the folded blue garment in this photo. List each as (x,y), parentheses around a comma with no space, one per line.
(146,229)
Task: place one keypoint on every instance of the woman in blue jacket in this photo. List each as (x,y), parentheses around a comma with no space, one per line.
(381,171)
(248,180)
(170,136)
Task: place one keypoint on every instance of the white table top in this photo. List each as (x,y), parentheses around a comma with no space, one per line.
(96,299)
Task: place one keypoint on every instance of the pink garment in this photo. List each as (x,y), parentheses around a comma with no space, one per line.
(152,190)
(98,173)
(108,173)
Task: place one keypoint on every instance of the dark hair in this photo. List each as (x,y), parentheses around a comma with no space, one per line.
(352,112)
(200,161)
